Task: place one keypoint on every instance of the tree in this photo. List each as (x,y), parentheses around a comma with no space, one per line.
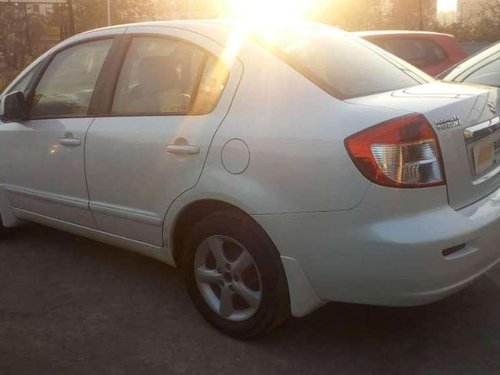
(482,26)
(89,14)
(488,29)
(412,15)
(348,14)
(14,34)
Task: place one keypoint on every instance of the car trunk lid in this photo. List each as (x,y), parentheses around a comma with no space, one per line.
(465,118)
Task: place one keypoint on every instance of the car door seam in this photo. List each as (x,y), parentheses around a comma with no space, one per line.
(85,171)
(208,151)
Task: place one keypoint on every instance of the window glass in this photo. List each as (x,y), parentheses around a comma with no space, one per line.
(488,74)
(67,85)
(464,69)
(212,83)
(408,50)
(23,83)
(344,66)
(437,54)
(418,52)
(159,76)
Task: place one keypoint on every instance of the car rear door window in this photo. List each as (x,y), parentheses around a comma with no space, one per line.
(212,83)
(162,76)
(67,86)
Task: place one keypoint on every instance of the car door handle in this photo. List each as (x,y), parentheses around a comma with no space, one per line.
(183,149)
(70,142)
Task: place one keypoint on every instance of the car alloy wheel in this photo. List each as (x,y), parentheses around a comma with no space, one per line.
(228,278)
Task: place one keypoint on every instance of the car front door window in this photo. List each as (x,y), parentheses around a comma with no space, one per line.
(23,83)
(66,88)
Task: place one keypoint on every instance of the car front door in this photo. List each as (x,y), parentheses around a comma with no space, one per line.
(42,159)
(172,92)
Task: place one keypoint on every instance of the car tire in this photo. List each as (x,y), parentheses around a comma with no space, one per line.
(234,275)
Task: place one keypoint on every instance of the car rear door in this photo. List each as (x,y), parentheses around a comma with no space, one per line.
(172,92)
(42,159)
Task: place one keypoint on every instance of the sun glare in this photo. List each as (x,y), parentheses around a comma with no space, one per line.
(269,11)
(447,5)
(262,15)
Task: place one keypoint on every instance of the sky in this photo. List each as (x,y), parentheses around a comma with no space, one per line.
(447,5)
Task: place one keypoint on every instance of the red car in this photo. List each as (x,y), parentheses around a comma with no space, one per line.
(431,52)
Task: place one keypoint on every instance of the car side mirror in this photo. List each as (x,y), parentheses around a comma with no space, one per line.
(14,107)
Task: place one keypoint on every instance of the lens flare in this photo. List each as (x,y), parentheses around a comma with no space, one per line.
(447,5)
(269,11)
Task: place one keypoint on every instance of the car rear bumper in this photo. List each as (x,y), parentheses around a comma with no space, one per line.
(389,250)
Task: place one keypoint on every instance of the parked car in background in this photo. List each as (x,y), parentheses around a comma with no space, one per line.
(482,69)
(431,52)
(278,177)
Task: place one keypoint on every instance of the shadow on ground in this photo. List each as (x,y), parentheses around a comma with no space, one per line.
(69,305)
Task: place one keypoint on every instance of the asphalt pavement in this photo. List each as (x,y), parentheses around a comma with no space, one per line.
(69,305)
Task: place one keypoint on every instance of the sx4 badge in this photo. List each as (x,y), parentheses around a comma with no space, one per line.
(448,123)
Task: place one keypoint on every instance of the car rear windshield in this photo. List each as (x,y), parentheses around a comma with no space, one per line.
(343,65)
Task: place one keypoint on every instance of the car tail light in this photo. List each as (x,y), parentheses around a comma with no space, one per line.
(403,152)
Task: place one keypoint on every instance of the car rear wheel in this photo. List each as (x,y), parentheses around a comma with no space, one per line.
(234,275)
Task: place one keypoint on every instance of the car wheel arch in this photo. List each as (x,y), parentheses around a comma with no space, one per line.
(192,213)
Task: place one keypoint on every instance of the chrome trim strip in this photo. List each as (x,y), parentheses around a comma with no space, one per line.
(483,129)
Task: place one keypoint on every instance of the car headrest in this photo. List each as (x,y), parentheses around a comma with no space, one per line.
(157,73)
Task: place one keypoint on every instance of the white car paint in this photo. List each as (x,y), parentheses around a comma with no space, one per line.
(138,161)
(341,237)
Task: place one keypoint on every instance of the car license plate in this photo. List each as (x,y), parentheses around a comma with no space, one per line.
(484,156)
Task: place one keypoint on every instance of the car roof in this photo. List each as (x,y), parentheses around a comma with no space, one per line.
(179,23)
(217,27)
(191,25)
(364,34)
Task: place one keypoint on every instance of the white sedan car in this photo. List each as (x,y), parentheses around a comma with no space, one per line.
(280,169)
